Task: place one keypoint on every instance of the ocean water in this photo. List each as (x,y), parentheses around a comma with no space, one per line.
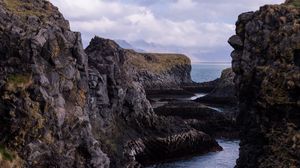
(223,159)
(203,72)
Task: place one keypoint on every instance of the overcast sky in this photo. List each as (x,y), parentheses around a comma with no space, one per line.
(199,27)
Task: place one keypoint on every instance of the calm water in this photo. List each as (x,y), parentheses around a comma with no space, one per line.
(203,72)
(224,159)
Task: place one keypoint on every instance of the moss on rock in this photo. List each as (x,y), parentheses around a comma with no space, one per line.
(157,62)
(23,8)
(18,82)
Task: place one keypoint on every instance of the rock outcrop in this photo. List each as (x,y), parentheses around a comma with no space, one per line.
(224,91)
(44,90)
(266,61)
(161,72)
(213,121)
(123,119)
(60,107)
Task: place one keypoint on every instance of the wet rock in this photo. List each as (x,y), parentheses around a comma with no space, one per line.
(217,122)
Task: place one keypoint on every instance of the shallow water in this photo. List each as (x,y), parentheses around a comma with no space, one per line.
(223,159)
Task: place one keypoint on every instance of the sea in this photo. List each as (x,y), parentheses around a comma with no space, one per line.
(203,72)
(208,71)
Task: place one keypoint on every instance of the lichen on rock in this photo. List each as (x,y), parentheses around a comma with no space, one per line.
(265,61)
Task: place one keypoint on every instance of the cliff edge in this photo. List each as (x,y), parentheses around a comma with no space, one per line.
(160,71)
(266,61)
(63,106)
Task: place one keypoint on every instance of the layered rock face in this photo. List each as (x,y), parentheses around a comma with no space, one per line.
(266,63)
(123,119)
(160,71)
(203,118)
(60,107)
(44,89)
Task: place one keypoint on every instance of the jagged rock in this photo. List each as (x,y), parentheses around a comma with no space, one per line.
(158,148)
(126,125)
(219,124)
(224,92)
(43,68)
(62,108)
(268,87)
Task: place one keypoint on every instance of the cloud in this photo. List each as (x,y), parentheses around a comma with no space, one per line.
(202,25)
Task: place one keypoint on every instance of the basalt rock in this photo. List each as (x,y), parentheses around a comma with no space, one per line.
(43,86)
(161,73)
(267,70)
(123,119)
(224,91)
(58,110)
(213,121)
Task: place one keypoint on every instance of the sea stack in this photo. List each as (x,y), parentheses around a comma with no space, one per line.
(267,67)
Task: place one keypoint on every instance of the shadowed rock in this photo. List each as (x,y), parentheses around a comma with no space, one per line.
(268,87)
(224,92)
(123,119)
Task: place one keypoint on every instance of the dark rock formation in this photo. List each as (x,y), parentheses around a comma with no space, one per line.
(204,87)
(58,111)
(43,86)
(158,72)
(266,63)
(219,124)
(123,119)
(224,91)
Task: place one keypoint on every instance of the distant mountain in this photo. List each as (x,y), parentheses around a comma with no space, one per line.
(196,54)
(127,45)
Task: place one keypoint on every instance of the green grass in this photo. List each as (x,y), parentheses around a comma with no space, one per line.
(18,81)
(24,9)
(295,3)
(5,154)
(156,62)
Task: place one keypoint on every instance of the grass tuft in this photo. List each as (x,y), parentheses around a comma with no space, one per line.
(6,155)
(18,81)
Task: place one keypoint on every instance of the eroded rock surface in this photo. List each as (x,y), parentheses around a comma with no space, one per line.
(123,119)
(43,86)
(159,72)
(266,63)
(62,108)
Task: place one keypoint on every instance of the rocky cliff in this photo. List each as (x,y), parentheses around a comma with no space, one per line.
(62,106)
(224,90)
(266,61)
(123,119)
(161,71)
(44,90)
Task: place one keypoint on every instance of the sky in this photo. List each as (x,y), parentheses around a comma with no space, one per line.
(197,28)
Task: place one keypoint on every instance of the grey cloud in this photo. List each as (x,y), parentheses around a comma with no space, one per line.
(199,28)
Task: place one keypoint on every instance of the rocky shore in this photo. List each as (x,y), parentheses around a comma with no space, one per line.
(63,106)
(104,106)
